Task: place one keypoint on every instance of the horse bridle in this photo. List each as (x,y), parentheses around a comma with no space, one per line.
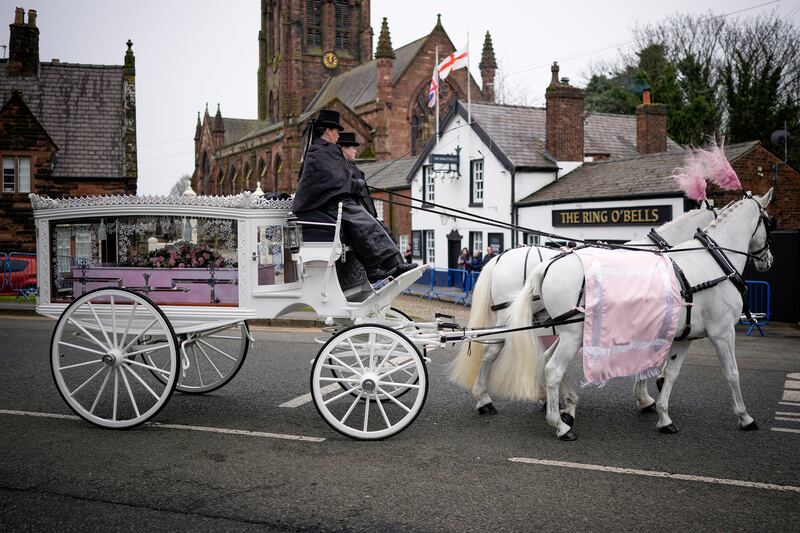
(769,226)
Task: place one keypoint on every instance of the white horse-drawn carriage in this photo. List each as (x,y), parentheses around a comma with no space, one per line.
(153,294)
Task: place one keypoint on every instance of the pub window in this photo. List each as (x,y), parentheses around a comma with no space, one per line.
(476,241)
(342,9)
(476,182)
(16,174)
(313,24)
(403,244)
(378,209)
(428,184)
(430,247)
(531,239)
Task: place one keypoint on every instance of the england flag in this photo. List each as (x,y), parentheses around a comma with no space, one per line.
(454,61)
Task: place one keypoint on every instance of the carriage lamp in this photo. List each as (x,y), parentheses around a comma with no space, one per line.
(293,236)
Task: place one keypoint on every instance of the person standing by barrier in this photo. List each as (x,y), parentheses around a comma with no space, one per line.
(477,262)
(464,263)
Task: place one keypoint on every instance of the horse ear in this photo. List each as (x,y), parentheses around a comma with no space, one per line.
(766,199)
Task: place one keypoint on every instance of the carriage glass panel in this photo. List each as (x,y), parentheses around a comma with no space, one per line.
(174,260)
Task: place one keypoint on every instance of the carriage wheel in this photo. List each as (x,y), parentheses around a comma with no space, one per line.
(370,359)
(396,319)
(93,356)
(210,358)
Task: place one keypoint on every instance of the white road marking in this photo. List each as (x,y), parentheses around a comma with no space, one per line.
(790,403)
(305,398)
(788,413)
(791,384)
(791,395)
(181,426)
(793,376)
(787,419)
(655,473)
(786,430)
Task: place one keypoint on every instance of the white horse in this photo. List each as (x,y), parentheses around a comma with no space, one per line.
(499,283)
(741,232)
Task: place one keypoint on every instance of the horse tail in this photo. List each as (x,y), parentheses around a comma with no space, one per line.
(464,370)
(518,373)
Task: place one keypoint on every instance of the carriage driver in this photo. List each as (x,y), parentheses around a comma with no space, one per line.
(325,180)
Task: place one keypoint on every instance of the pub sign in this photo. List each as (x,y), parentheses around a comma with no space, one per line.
(649,215)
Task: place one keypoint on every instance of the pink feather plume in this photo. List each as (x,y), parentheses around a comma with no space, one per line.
(706,165)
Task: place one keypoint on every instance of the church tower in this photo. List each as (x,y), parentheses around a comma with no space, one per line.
(301,44)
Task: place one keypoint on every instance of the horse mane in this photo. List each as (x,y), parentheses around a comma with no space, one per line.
(725,213)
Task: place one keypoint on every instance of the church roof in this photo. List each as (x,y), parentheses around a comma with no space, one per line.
(638,176)
(237,128)
(387,174)
(358,86)
(81,109)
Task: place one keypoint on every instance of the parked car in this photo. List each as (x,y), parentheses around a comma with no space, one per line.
(19,275)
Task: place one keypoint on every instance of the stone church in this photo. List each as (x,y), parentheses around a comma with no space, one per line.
(316,54)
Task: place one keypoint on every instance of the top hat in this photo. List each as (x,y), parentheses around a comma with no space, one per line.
(347,138)
(329,119)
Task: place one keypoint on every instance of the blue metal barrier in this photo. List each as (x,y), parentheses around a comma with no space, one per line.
(452,284)
(3,268)
(759,300)
(19,274)
(423,286)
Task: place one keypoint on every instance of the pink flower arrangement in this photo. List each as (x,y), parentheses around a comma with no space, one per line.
(181,254)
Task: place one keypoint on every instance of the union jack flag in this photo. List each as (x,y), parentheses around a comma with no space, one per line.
(433,91)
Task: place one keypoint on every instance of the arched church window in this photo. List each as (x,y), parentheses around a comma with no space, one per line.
(414,134)
(278,168)
(246,176)
(314,23)
(206,172)
(342,9)
(220,182)
(271,107)
(231,185)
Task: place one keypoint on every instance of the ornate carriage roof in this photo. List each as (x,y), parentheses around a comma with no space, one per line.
(245,200)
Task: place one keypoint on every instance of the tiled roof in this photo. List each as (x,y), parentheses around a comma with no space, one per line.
(358,86)
(520,133)
(237,128)
(81,108)
(642,175)
(388,174)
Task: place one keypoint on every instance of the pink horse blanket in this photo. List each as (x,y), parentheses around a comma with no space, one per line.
(632,304)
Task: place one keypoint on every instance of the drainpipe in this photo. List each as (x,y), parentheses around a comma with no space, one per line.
(513,208)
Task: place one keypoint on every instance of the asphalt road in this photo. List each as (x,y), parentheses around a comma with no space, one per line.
(449,471)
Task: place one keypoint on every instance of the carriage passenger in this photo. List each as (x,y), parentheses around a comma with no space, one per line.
(326,180)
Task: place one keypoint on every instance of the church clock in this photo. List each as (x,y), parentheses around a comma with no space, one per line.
(330,61)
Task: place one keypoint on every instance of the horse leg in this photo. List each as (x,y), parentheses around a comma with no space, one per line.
(479,390)
(671,370)
(646,402)
(570,398)
(569,341)
(725,344)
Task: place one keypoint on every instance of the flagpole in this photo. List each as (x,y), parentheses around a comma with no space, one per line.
(469,92)
(435,68)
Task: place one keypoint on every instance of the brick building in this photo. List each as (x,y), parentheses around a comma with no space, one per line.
(318,54)
(65,130)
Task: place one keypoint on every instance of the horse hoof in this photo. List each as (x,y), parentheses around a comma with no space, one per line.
(487,409)
(569,435)
(668,430)
(752,426)
(659,384)
(649,409)
(568,419)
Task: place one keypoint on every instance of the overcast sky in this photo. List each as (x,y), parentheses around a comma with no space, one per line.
(189,52)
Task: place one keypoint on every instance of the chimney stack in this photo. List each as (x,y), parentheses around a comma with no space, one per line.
(488,67)
(564,119)
(23,45)
(651,126)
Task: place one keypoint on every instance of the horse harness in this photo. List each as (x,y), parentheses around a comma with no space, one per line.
(503,305)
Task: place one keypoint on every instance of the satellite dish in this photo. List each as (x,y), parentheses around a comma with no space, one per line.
(779,137)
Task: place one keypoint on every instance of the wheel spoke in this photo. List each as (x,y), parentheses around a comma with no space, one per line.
(149,367)
(343,393)
(383,413)
(210,361)
(352,406)
(116,393)
(339,380)
(113,322)
(130,393)
(100,344)
(395,400)
(197,365)
(395,369)
(74,392)
(128,325)
(140,380)
(149,349)
(398,385)
(82,348)
(200,341)
(99,324)
(366,413)
(100,392)
(348,367)
(358,357)
(137,337)
(231,337)
(371,351)
(388,353)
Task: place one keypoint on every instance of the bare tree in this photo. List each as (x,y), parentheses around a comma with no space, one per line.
(511,90)
(181,185)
